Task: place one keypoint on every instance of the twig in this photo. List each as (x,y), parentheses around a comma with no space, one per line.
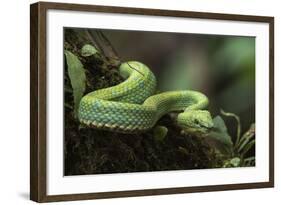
(238,125)
(108,43)
(135,69)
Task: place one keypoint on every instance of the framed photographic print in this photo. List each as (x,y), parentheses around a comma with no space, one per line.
(134,102)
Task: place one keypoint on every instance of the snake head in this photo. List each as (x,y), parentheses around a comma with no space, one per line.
(195,121)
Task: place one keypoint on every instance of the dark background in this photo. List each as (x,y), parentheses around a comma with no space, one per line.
(222,67)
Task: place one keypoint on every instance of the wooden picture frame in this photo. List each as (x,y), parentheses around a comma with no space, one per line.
(38,101)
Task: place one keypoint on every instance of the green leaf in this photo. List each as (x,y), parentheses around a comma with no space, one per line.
(88,50)
(219,137)
(235,162)
(246,137)
(159,133)
(219,124)
(77,78)
(248,147)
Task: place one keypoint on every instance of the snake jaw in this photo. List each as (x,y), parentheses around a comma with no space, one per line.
(195,121)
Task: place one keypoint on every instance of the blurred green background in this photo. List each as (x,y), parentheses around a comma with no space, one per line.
(222,67)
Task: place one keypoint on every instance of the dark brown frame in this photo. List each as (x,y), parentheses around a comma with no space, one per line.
(38,101)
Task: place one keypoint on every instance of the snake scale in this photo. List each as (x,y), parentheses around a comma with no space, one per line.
(131,106)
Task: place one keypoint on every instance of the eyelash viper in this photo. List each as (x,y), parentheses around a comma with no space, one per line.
(131,106)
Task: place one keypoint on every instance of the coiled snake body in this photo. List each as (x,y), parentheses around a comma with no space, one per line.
(131,106)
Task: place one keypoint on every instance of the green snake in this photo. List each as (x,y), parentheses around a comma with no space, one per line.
(131,106)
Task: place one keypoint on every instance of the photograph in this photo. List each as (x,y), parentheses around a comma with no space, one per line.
(147,101)
(128,102)
(137,102)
